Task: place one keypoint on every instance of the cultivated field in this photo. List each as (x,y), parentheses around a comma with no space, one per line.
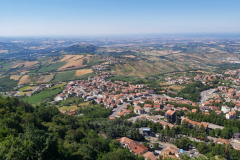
(26,64)
(83,72)
(73,62)
(25,79)
(45,78)
(15,77)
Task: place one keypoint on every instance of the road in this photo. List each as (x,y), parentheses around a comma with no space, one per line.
(205,95)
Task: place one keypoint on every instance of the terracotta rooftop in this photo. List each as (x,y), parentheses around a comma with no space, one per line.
(170,112)
(205,125)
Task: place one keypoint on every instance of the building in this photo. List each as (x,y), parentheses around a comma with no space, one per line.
(149,156)
(170,115)
(138,110)
(205,125)
(170,152)
(236,138)
(225,109)
(137,148)
(231,115)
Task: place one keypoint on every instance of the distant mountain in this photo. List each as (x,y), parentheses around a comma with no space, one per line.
(81,48)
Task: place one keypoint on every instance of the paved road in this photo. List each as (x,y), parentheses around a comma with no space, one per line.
(205,95)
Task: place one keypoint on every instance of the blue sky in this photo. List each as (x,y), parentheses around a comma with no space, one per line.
(113,17)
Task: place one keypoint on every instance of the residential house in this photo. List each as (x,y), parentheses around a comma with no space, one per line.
(170,152)
(149,156)
(225,109)
(231,115)
(199,124)
(137,148)
(170,115)
(138,110)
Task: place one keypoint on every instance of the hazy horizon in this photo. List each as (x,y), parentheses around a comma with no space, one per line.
(107,18)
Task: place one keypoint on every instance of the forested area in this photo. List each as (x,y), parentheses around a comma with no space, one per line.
(43,133)
(192,91)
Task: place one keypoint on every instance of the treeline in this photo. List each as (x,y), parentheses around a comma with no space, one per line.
(193,91)
(43,132)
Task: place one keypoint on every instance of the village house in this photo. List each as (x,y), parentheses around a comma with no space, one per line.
(225,109)
(137,148)
(170,152)
(231,115)
(170,115)
(199,124)
(138,110)
(149,156)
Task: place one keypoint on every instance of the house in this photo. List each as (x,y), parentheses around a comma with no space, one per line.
(205,125)
(170,115)
(137,148)
(236,138)
(231,115)
(149,156)
(145,94)
(194,110)
(60,97)
(111,118)
(138,110)
(225,109)
(164,124)
(215,108)
(135,103)
(124,141)
(170,152)
(204,108)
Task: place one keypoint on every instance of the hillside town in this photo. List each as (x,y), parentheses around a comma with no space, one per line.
(142,101)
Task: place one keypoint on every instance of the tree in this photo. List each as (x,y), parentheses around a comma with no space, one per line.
(155,145)
(202,148)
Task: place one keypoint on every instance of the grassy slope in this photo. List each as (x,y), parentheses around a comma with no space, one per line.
(52,67)
(64,76)
(42,96)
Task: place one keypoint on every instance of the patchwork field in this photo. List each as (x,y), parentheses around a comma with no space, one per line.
(26,64)
(24,80)
(45,78)
(52,67)
(15,77)
(26,90)
(73,62)
(83,72)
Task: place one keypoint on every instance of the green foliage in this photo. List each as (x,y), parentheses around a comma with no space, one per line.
(45,133)
(192,91)
(51,67)
(43,96)
(7,84)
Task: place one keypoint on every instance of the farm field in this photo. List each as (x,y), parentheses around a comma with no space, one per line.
(45,78)
(64,76)
(52,67)
(48,95)
(15,77)
(24,80)
(73,61)
(26,90)
(83,72)
(26,64)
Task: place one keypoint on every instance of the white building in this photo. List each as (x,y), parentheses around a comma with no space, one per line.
(225,109)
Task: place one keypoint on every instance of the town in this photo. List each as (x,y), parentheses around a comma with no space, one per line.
(141,103)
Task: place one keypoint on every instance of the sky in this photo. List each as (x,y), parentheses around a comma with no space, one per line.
(117,17)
